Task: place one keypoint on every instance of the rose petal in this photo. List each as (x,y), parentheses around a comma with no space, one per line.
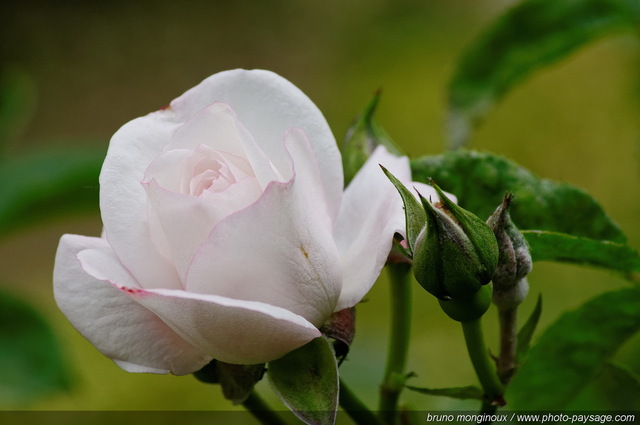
(308,176)
(123,202)
(370,214)
(178,220)
(232,331)
(218,127)
(278,251)
(179,223)
(119,327)
(268,105)
(136,368)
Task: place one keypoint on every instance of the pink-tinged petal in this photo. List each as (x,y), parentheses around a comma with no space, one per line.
(214,125)
(308,176)
(232,331)
(178,170)
(279,251)
(268,105)
(179,223)
(123,202)
(136,368)
(134,337)
(218,127)
(370,214)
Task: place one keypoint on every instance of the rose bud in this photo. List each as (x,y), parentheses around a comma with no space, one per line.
(456,253)
(514,263)
(362,138)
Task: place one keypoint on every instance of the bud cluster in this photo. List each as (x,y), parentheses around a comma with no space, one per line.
(455,253)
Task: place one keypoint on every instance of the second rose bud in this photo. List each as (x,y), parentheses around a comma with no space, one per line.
(455,253)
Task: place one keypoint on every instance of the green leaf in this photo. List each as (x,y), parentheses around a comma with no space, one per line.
(550,246)
(480,180)
(528,329)
(35,186)
(31,364)
(573,350)
(626,377)
(617,388)
(463,393)
(364,135)
(306,380)
(531,35)
(414,213)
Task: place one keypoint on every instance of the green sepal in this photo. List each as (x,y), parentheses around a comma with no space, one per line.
(236,381)
(414,213)
(444,261)
(306,380)
(364,135)
(341,329)
(477,231)
(208,374)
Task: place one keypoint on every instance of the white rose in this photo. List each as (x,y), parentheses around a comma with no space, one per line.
(227,233)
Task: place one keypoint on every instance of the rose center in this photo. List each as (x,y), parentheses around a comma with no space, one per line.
(211,176)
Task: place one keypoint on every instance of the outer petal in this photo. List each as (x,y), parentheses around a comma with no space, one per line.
(370,214)
(279,251)
(123,202)
(268,105)
(233,331)
(135,338)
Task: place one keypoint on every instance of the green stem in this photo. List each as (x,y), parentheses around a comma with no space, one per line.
(398,341)
(482,364)
(355,408)
(508,343)
(261,411)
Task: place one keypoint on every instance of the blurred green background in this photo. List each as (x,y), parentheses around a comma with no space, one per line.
(93,66)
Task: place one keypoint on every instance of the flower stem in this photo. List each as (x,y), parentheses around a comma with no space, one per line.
(508,343)
(261,411)
(482,364)
(355,408)
(394,376)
